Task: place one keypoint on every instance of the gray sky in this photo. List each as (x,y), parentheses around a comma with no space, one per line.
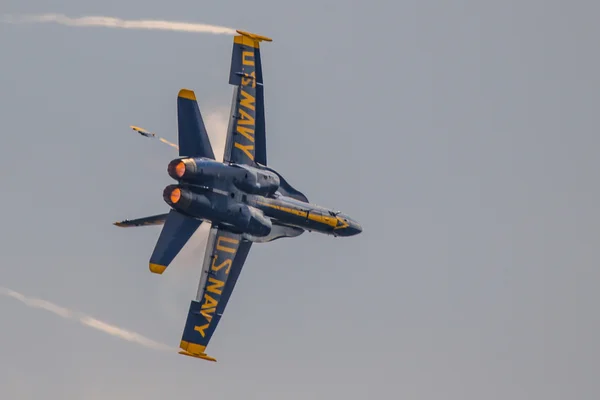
(462,135)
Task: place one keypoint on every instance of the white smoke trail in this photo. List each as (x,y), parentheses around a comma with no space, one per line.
(216,121)
(169,143)
(110,22)
(85,320)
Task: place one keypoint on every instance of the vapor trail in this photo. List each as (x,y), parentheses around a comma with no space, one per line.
(85,320)
(110,22)
(169,143)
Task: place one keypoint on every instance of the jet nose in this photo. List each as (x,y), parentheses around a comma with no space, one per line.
(352,227)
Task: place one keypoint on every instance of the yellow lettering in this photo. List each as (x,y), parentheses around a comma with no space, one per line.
(245,150)
(217,268)
(226,239)
(209,302)
(248,133)
(208,313)
(216,286)
(247,81)
(246,119)
(201,329)
(248,58)
(247,101)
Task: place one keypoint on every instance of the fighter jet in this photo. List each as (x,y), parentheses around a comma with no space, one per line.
(142,131)
(149,134)
(242,199)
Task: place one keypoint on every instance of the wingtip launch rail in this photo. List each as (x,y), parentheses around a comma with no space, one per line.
(254,36)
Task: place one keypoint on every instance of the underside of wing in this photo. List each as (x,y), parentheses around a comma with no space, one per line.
(278,231)
(225,255)
(145,221)
(246,134)
(175,233)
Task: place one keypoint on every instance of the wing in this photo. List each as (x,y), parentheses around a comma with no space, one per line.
(246,134)
(225,255)
(175,233)
(193,138)
(146,221)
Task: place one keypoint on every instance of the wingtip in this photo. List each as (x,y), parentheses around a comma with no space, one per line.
(202,356)
(254,36)
(157,268)
(187,94)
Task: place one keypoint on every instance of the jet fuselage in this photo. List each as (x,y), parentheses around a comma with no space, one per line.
(249,200)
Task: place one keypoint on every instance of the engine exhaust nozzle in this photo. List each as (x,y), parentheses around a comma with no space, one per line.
(178,168)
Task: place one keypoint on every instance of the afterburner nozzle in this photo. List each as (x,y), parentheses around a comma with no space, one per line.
(176,196)
(179,167)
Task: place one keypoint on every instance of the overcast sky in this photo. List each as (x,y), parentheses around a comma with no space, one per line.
(462,135)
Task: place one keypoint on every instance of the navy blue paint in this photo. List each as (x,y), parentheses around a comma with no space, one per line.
(193,138)
(243,199)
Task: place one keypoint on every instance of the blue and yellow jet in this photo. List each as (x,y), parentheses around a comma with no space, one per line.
(242,199)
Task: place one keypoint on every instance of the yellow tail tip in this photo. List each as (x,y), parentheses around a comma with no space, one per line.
(157,268)
(187,94)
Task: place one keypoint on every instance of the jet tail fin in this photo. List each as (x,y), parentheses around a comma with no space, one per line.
(193,138)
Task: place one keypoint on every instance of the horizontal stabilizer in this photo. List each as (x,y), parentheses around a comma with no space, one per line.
(175,233)
(146,221)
